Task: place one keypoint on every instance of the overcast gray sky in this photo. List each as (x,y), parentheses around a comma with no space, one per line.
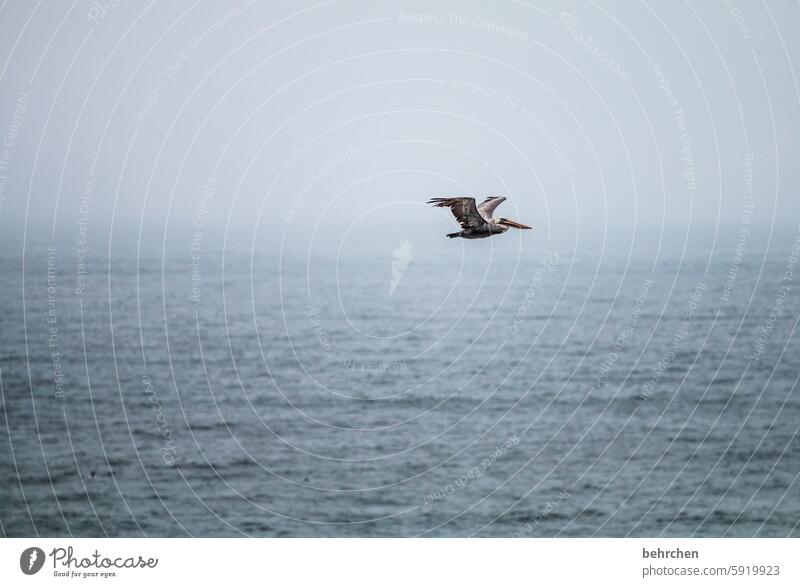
(295,121)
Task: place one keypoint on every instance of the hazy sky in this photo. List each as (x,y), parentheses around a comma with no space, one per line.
(300,122)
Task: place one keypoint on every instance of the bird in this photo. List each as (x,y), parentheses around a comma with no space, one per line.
(477,221)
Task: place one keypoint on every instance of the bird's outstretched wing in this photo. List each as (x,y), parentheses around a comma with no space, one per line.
(463,209)
(487,207)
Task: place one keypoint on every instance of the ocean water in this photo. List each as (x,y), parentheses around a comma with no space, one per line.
(461,393)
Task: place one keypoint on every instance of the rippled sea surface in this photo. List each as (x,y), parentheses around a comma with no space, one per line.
(543,394)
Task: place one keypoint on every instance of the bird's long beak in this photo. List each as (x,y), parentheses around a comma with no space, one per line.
(514,224)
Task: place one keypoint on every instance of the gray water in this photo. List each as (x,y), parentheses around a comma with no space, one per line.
(534,394)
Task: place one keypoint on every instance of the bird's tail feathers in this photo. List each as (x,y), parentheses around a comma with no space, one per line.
(454,235)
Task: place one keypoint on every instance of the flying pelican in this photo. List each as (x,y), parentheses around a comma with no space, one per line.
(477,221)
